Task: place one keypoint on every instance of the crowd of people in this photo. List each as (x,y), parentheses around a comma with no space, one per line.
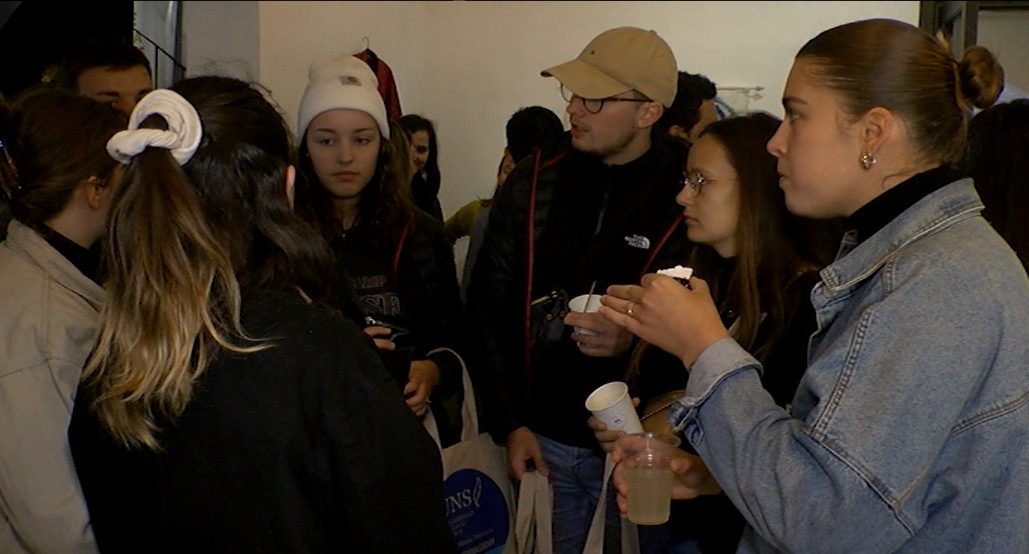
(220,337)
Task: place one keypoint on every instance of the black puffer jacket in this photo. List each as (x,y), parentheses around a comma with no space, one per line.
(591,222)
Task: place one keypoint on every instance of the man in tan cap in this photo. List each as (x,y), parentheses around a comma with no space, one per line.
(602,208)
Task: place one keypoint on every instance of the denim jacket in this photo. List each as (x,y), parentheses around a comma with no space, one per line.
(908,432)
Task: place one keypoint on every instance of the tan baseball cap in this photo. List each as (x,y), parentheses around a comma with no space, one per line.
(620,60)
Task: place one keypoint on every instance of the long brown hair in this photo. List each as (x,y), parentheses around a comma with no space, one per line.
(385,203)
(890,64)
(55,140)
(773,246)
(181,240)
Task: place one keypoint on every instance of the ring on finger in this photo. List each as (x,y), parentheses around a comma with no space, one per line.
(628,310)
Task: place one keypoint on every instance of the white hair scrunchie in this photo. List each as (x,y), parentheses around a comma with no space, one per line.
(182,137)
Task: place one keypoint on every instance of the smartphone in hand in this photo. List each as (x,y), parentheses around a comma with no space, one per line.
(396,331)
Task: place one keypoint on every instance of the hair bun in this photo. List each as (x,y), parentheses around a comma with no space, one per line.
(980,77)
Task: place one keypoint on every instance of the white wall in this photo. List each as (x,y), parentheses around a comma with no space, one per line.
(469,65)
(221,38)
(1006,33)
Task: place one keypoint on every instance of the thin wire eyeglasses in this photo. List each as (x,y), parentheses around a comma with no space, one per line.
(694,182)
(594,105)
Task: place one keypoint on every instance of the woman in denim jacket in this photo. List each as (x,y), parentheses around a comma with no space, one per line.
(908,432)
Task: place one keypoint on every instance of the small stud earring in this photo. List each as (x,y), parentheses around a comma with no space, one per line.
(867,161)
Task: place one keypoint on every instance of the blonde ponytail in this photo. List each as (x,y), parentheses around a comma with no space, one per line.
(174,302)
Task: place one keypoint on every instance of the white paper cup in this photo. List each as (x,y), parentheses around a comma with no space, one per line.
(612,405)
(578,304)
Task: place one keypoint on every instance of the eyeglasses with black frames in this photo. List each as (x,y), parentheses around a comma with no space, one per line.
(594,105)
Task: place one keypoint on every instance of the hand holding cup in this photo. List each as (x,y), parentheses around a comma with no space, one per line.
(645,475)
(584,304)
(612,406)
(679,320)
(690,476)
(607,437)
(594,334)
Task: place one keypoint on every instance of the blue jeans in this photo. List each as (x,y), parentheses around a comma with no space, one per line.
(576,475)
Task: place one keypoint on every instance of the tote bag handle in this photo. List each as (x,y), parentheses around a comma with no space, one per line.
(469,415)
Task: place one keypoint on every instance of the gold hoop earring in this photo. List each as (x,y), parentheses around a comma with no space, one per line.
(867,161)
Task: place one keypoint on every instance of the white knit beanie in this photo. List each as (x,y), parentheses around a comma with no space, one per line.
(343,82)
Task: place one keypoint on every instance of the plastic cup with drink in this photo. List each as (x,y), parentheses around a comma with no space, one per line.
(647,471)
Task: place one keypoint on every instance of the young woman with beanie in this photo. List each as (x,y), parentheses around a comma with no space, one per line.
(395,259)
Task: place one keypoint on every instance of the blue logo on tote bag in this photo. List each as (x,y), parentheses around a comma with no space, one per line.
(477,512)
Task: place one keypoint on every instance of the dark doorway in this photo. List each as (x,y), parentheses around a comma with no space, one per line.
(36,35)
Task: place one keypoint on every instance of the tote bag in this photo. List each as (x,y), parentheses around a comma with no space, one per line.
(595,537)
(533,524)
(478,494)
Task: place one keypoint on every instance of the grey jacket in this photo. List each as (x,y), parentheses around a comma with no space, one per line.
(48,326)
(910,429)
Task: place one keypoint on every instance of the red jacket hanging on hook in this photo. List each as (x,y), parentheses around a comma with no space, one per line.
(387,86)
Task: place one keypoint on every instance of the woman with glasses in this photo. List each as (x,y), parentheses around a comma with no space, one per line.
(909,431)
(762,263)
(58,181)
